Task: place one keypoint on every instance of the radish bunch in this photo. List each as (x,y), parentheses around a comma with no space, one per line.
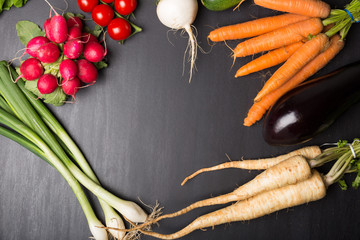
(64,58)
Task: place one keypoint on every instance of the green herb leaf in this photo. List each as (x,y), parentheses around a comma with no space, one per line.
(32,87)
(97,31)
(100,65)
(342,143)
(53,68)
(356,182)
(343,184)
(71,15)
(27,30)
(57,98)
(7,4)
(18,3)
(1,5)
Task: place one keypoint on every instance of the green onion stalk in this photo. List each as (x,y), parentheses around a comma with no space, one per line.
(45,152)
(342,19)
(112,219)
(28,122)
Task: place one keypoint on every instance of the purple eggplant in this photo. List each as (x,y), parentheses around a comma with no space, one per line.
(312,107)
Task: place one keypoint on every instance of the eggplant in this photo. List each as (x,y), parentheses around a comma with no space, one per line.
(312,107)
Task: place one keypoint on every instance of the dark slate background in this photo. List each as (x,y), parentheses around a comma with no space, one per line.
(144,128)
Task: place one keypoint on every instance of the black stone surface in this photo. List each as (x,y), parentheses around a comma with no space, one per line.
(144,128)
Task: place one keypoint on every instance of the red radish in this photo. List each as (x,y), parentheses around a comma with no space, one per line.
(34,44)
(47,28)
(58,28)
(68,69)
(74,22)
(47,84)
(94,52)
(31,69)
(88,37)
(74,33)
(87,72)
(48,52)
(73,49)
(71,87)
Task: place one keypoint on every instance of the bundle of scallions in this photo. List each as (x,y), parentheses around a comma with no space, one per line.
(28,122)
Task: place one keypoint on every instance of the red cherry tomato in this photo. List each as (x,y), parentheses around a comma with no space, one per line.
(102,14)
(87,5)
(107,1)
(119,29)
(125,7)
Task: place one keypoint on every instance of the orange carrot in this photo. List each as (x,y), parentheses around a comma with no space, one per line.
(311,189)
(254,28)
(260,164)
(278,38)
(259,108)
(295,63)
(311,8)
(268,60)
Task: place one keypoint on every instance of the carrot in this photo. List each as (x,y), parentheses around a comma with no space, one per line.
(259,108)
(259,164)
(311,8)
(268,60)
(254,28)
(311,189)
(278,38)
(294,64)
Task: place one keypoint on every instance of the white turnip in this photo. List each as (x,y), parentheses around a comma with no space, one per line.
(180,14)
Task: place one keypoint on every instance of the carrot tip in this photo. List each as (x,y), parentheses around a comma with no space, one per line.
(247,123)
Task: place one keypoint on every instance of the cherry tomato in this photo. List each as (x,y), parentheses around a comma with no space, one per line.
(119,29)
(107,1)
(87,5)
(102,14)
(125,7)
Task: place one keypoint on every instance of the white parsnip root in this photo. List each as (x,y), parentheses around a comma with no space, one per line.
(259,164)
(290,171)
(288,183)
(306,191)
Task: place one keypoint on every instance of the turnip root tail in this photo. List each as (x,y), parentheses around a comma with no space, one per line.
(290,171)
(262,204)
(192,48)
(259,164)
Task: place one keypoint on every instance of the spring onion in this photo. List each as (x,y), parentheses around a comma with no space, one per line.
(32,125)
